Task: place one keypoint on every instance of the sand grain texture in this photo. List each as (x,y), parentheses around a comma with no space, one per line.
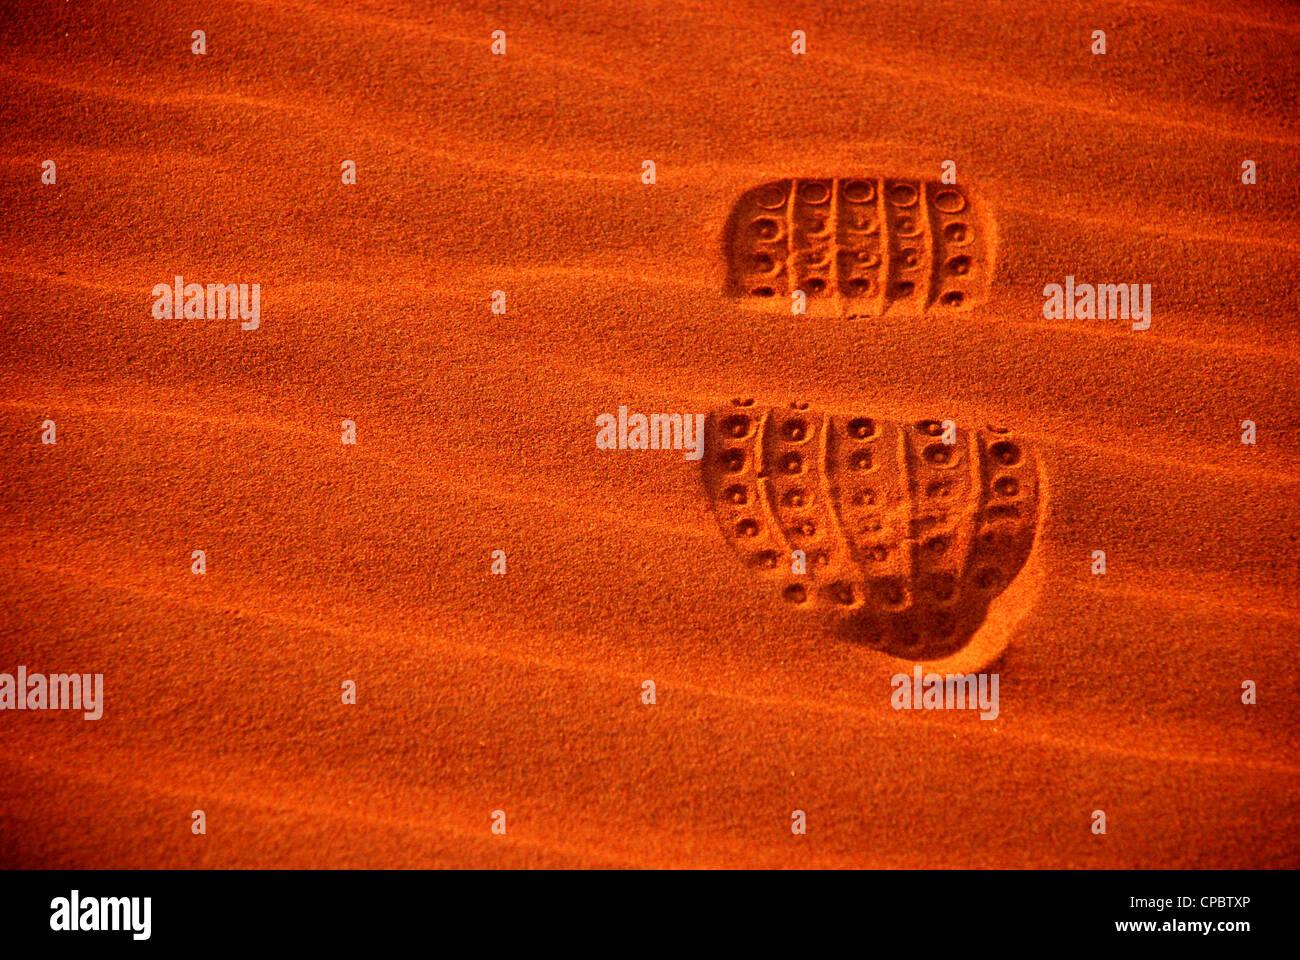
(475,432)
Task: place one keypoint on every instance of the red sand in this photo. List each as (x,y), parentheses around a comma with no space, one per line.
(475,433)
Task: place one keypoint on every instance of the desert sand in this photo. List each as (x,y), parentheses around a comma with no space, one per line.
(522,692)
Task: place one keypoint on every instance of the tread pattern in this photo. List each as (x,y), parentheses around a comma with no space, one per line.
(859,246)
(909,535)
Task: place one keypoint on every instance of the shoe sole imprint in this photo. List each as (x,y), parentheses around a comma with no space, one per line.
(907,539)
(859,246)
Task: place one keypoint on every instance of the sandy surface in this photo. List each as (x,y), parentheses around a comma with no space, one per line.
(475,433)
